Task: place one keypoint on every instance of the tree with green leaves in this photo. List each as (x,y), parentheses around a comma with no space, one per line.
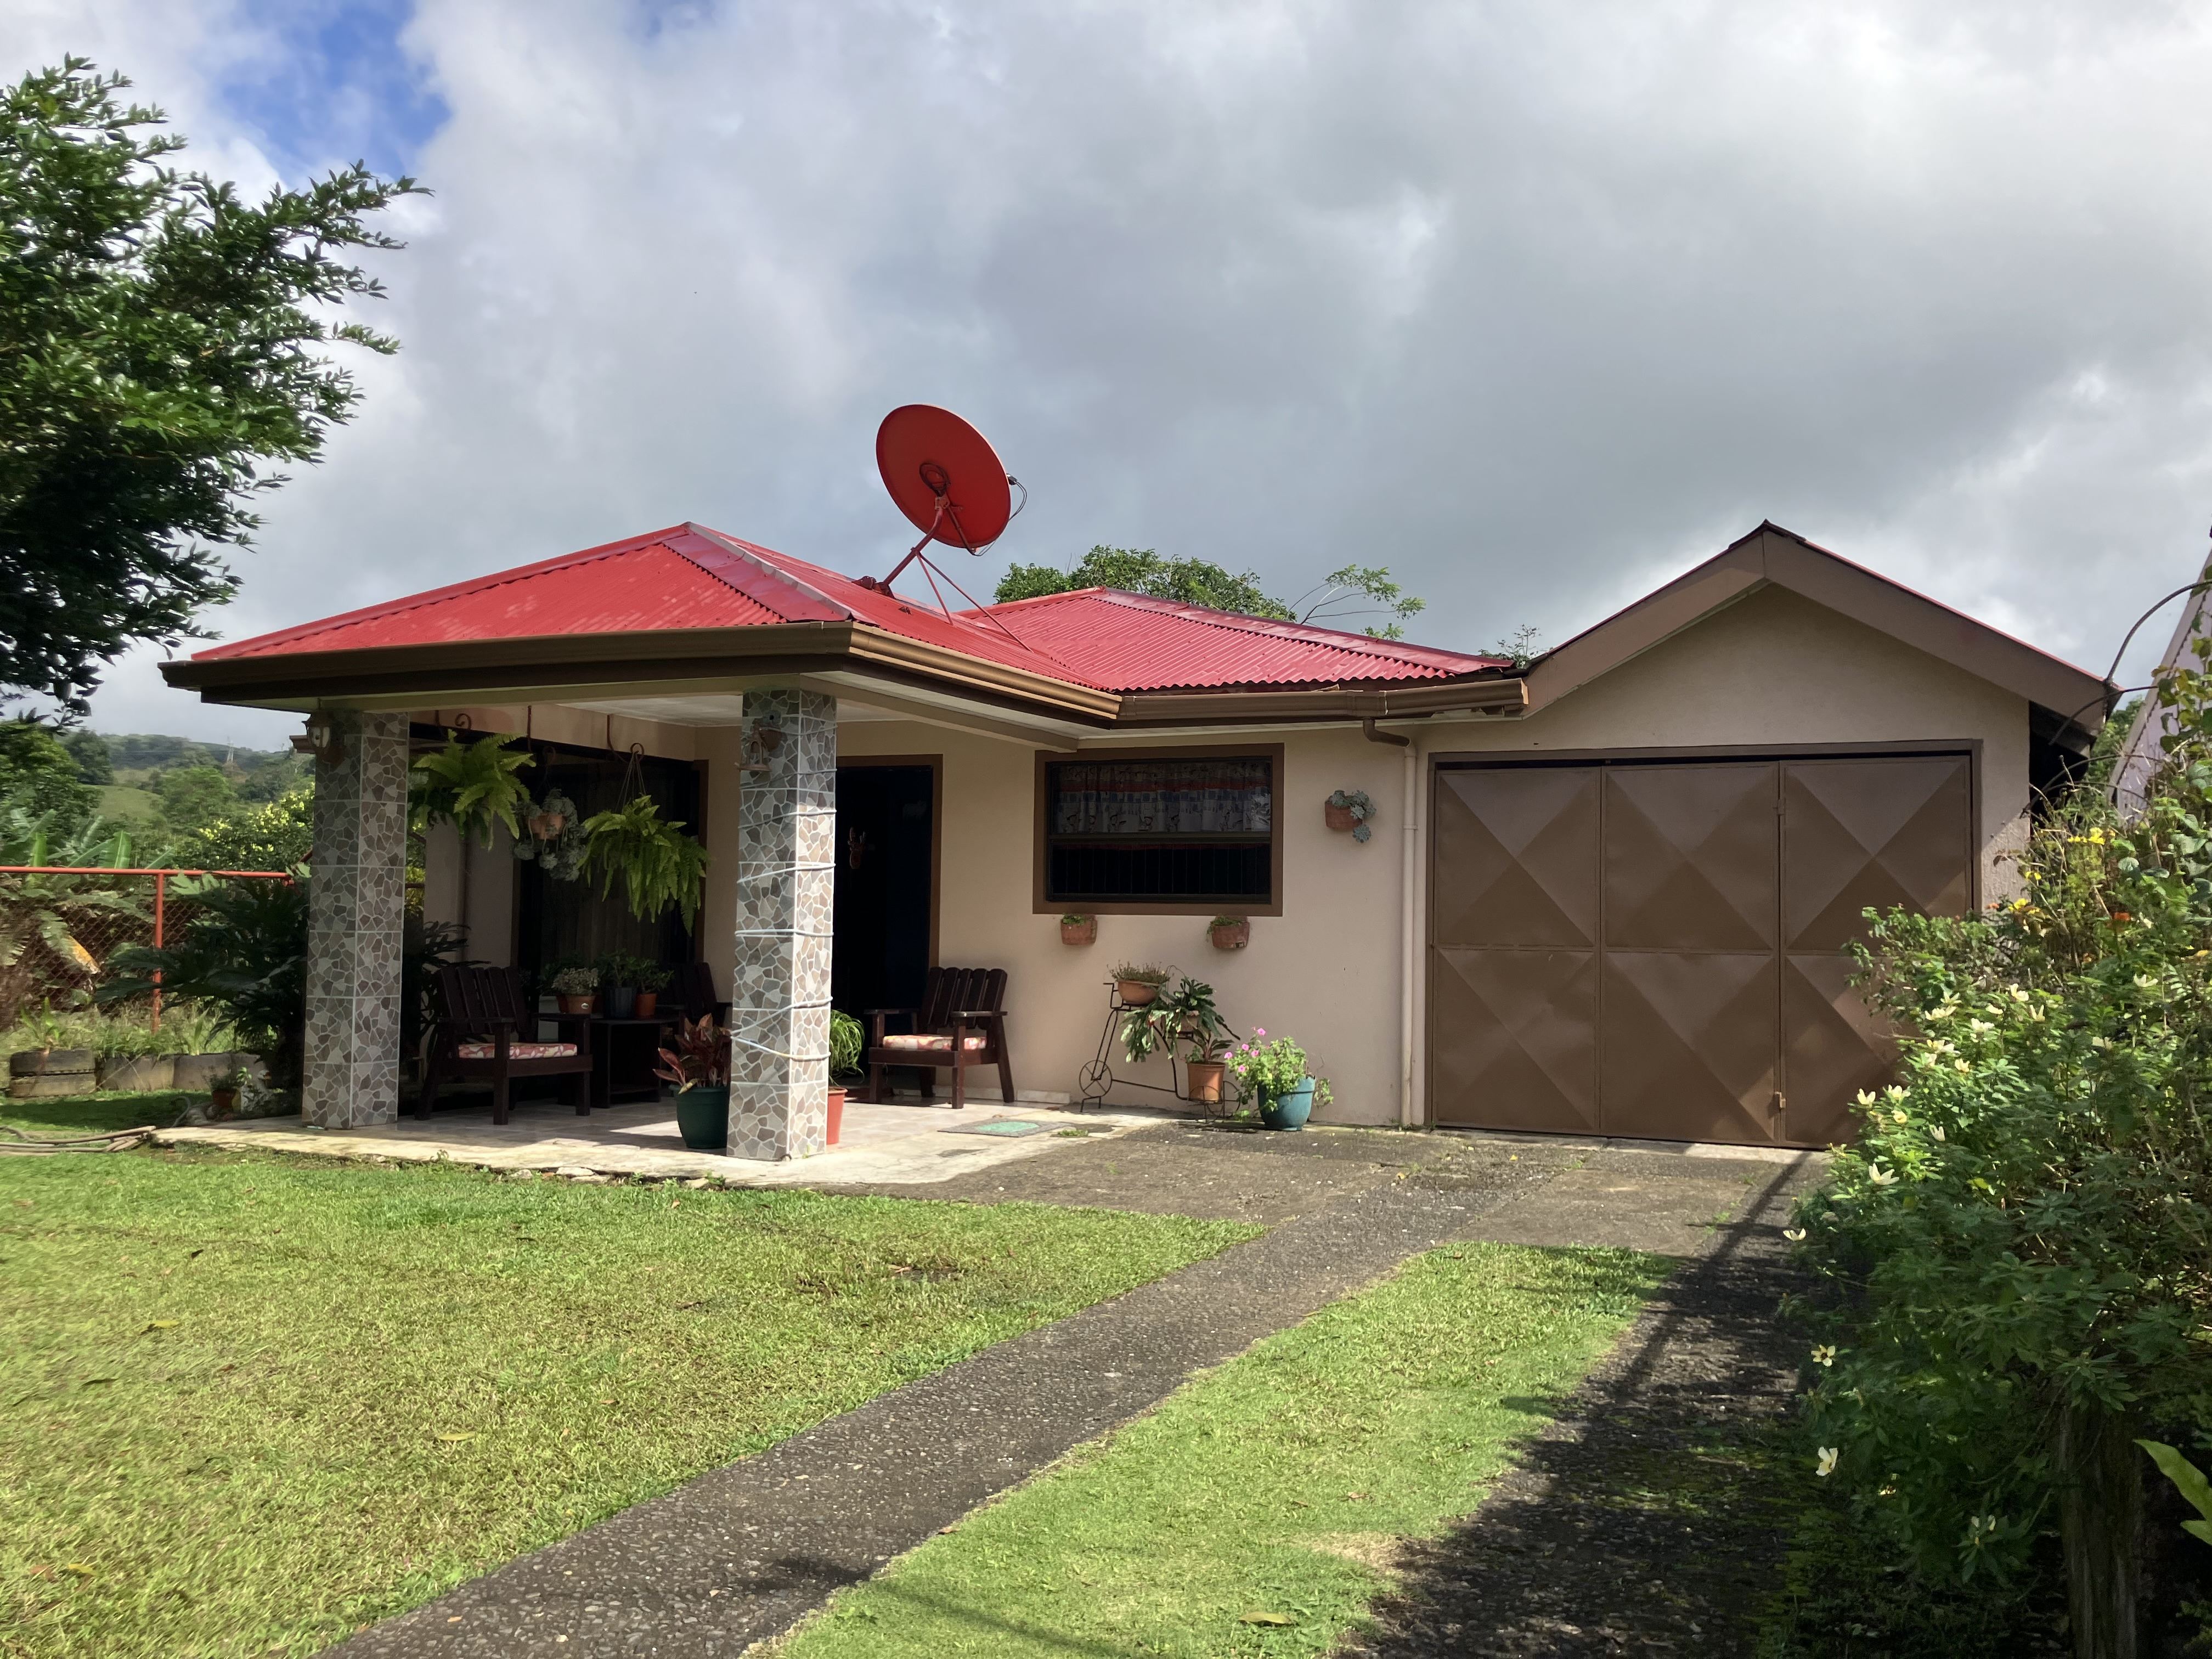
(38,776)
(1342,596)
(162,345)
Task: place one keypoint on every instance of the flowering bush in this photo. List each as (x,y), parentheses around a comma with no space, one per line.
(2023,1232)
(1261,1070)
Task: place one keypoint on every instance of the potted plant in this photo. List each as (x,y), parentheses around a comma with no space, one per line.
(847,1042)
(657,863)
(619,981)
(1349,809)
(222,1096)
(1272,1076)
(698,1064)
(577,986)
(1229,932)
(1139,985)
(1206,1037)
(1079,930)
(651,980)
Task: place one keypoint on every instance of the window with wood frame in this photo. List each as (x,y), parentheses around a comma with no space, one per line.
(1165,831)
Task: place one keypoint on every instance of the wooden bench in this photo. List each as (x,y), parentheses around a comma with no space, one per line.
(962,1023)
(485,1029)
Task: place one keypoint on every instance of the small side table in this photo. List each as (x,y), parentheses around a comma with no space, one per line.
(607,1080)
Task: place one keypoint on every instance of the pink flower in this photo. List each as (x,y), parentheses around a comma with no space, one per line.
(1258,1030)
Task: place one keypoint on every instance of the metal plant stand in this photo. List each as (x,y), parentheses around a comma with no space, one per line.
(1097,1078)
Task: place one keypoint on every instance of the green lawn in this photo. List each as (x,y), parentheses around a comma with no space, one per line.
(87,1115)
(251,1402)
(1254,1512)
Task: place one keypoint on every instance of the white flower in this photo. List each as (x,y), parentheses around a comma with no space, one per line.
(1865,1097)
(1943,1012)
(1879,1176)
(2145,982)
(2035,1014)
(1897,1116)
(1824,1355)
(1827,1464)
(1895,1091)
(2100,1042)
(2018,995)
(1979,1026)
(1794,1235)
(1961,1066)
(1937,1130)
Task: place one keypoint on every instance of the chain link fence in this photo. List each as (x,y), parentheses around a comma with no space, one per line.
(62,926)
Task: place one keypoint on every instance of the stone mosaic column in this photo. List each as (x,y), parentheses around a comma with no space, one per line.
(780,988)
(356,908)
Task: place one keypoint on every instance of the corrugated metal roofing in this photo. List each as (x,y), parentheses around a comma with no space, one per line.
(1128,642)
(690,577)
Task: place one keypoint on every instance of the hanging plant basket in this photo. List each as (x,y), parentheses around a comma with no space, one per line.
(1230,933)
(1348,810)
(1079,930)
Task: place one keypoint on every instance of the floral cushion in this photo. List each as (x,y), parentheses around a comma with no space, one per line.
(932,1045)
(519,1050)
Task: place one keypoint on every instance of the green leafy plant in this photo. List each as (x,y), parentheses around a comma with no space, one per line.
(652,976)
(576,981)
(1264,1068)
(1185,1017)
(847,1042)
(472,786)
(48,923)
(244,951)
(624,972)
(697,1057)
(2189,1480)
(2018,1238)
(658,864)
(1073,920)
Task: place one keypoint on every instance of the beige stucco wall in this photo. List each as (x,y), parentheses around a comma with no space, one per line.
(1773,669)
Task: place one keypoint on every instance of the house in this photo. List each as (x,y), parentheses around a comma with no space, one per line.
(1614,892)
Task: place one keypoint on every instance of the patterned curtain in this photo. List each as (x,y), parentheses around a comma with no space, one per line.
(1162,797)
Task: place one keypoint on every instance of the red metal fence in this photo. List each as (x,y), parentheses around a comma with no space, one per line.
(61,925)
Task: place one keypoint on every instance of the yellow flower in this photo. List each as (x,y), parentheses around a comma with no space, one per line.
(1824,1355)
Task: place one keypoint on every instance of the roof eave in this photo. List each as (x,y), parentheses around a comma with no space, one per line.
(1488,694)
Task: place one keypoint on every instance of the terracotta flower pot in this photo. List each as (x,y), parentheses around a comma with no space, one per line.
(575,1005)
(1235,937)
(1084,932)
(1204,1078)
(837,1114)
(223,1102)
(1137,993)
(648,1004)
(1339,818)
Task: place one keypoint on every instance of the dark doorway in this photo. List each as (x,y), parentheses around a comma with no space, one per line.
(886,878)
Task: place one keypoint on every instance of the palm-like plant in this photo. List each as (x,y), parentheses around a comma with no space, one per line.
(245,950)
(472,785)
(51,927)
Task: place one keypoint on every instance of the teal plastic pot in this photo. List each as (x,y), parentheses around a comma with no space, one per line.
(1289,1109)
(702,1113)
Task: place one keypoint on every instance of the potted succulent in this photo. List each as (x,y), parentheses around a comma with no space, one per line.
(1349,809)
(698,1064)
(651,980)
(1138,985)
(847,1042)
(1229,932)
(1079,930)
(222,1096)
(577,986)
(1272,1076)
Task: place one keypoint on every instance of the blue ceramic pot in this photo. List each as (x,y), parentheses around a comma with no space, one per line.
(702,1116)
(1291,1108)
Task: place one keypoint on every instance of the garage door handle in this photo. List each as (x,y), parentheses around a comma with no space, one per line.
(1779,1105)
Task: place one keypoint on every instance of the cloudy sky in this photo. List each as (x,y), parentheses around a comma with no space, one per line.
(1536,304)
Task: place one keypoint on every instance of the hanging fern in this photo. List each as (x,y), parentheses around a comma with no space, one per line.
(472,786)
(658,864)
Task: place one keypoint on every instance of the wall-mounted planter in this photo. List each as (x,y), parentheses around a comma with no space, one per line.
(1229,933)
(1079,930)
(1348,810)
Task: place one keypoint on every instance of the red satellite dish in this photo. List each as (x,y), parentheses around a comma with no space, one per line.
(944,476)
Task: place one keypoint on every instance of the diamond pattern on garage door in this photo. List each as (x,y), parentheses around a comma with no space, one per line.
(1879,833)
(1689,857)
(1513,1048)
(1520,846)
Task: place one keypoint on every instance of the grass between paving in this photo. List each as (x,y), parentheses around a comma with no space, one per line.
(252,1402)
(1256,1510)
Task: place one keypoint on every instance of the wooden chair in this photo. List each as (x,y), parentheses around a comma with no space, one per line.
(485,1028)
(962,1023)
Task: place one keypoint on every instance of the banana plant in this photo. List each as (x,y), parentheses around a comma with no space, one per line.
(50,923)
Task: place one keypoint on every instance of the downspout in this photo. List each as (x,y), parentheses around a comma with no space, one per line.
(1408,942)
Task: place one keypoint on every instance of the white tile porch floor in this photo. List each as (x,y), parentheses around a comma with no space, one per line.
(895,1144)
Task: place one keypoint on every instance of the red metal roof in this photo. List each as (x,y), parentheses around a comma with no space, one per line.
(1129,642)
(690,577)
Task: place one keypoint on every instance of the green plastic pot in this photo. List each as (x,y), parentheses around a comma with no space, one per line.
(702,1113)
(1289,1109)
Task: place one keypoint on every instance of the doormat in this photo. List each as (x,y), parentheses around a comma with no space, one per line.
(1011,1127)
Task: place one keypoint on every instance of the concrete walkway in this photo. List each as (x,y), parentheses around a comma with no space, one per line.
(743,1551)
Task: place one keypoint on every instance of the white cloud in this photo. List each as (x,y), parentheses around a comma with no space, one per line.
(1536,304)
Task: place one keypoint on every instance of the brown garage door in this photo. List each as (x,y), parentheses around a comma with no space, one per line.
(1661,949)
